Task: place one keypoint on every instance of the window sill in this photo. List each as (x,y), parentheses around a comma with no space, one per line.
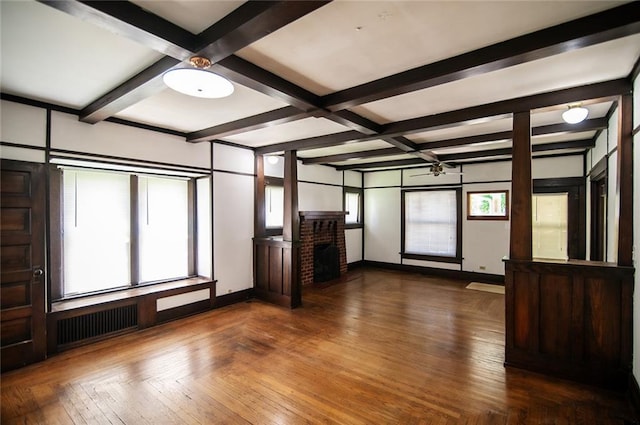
(167,288)
(434,258)
(354,226)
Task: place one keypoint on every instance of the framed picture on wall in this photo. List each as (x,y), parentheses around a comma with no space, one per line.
(488,205)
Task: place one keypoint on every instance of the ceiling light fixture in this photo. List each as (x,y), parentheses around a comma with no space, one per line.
(575,114)
(272,159)
(197,81)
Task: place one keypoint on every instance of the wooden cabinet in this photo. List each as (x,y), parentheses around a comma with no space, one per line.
(570,319)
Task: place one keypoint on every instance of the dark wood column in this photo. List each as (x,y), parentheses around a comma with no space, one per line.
(276,259)
(521,188)
(625,180)
(259,225)
(291,224)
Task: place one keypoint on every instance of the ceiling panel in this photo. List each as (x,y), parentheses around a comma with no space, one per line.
(346,148)
(47,55)
(346,43)
(177,111)
(605,61)
(308,127)
(194,16)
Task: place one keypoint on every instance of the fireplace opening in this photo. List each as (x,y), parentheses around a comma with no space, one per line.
(326,262)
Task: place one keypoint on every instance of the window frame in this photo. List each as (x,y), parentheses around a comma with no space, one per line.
(56,280)
(457,259)
(360,191)
(503,217)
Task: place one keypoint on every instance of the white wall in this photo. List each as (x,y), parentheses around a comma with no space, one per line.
(484,243)
(233,196)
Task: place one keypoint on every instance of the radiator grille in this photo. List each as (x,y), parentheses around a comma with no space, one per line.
(74,329)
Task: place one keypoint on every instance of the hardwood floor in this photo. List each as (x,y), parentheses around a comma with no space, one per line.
(381,348)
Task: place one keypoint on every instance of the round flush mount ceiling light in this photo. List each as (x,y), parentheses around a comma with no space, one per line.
(272,159)
(197,81)
(575,114)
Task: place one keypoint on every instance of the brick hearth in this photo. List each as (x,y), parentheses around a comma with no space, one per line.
(318,227)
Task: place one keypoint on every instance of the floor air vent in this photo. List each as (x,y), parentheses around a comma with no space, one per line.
(74,329)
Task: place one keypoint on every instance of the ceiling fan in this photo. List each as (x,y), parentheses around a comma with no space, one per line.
(436,169)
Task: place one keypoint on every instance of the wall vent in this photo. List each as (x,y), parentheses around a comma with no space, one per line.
(92,325)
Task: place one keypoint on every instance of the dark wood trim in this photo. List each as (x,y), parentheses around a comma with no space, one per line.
(312,142)
(233,145)
(501,108)
(233,298)
(259,225)
(445,273)
(71,111)
(355,122)
(134,254)
(55,249)
(192,225)
(259,79)
(432,258)
(245,25)
(604,26)
(625,181)
(291,223)
(355,265)
(635,71)
(18,145)
(521,190)
(352,155)
(587,125)
(255,122)
(381,164)
(234,173)
(320,183)
(141,163)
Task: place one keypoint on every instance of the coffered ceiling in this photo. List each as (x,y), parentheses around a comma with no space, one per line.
(353,84)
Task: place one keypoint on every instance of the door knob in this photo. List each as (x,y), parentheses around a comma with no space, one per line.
(38,272)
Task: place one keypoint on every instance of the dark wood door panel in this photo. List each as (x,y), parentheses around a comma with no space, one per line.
(22,257)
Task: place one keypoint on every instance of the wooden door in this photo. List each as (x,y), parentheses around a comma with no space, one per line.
(22,280)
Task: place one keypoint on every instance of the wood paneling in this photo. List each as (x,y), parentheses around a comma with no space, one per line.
(22,264)
(380,347)
(275,272)
(570,319)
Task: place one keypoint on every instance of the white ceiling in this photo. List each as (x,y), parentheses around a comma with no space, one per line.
(50,56)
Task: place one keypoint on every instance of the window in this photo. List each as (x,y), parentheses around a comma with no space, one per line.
(273,205)
(163,228)
(550,225)
(491,205)
(431,225)
(96,229)
(121,229)
(353,206)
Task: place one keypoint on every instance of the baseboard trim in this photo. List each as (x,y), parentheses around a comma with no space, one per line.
(450,274)
(355,265)
(633,395)
(233,298)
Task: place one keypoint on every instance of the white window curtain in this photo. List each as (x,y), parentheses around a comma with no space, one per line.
(163,226)
(96,231)
(431,223)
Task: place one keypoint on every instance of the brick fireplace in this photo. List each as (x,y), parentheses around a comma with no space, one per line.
(322,237)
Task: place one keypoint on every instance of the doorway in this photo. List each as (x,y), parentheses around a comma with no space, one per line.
(22,280)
